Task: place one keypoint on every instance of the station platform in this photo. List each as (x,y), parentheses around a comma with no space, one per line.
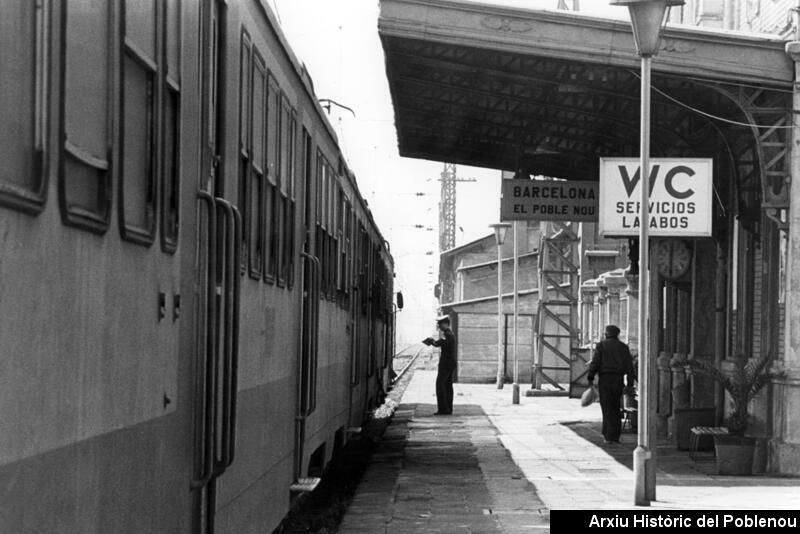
(494,466)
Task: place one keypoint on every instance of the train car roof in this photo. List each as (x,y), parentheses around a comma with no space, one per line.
(308,84)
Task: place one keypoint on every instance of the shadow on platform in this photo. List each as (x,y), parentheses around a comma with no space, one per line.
(675,467)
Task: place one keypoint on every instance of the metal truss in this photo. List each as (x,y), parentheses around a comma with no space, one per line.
(557,325)
(447,208)
(514,110)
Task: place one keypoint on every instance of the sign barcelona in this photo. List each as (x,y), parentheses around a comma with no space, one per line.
(548,200)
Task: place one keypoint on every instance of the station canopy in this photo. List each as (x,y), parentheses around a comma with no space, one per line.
(550,92)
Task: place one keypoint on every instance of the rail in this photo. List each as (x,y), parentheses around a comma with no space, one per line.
(408,365)
(205,383)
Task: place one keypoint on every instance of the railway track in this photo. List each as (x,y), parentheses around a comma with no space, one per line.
(405,359)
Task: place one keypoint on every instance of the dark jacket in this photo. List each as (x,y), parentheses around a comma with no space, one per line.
(448,345)
(611,356)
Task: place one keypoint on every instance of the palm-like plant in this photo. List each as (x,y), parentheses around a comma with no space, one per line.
(742,384)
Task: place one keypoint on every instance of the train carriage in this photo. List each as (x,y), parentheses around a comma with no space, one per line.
(196,301)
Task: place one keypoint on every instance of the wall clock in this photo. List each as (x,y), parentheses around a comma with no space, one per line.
(673,258)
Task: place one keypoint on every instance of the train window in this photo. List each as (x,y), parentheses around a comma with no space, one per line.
(308,177)
(318,190)
(338,243)
(140,76)
(339,240)
(348,250)
(331,198)
(343,243)
(363,273)
(284,165)
(270,239)
(317,215)
(273,130)
(289,244)
(322,189)
(24,36)
(284,158)
(293,155)
(170,173)
(245,147)
(323,170)
(291,214)
(84,174)
(138,187)
(256,181)
(171,195)
(272,204)
(288,155)
(331,262)
(280,236)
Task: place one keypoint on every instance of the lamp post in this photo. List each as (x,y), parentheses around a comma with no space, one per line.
(500,230)
(647,18)
(515,387)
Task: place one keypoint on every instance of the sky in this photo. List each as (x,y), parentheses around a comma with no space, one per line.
(338,42)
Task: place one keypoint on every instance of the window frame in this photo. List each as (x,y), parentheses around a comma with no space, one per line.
(290,226)
(272,185)
(257,181)
(130,231)
(31,200)
(171,170)
(245,144)
(97,220)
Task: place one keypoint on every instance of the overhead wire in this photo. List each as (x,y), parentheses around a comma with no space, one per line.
(710,115)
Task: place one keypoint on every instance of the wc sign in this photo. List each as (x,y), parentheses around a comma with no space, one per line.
(680,197)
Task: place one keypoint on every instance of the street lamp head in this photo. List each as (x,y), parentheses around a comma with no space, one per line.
(500,230)
(647,18)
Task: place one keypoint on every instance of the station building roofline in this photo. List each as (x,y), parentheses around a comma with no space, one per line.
(549,92)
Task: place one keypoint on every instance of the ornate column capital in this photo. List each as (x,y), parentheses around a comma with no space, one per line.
(793,50)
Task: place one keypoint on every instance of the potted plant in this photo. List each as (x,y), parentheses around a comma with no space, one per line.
(742,382)
(684,415)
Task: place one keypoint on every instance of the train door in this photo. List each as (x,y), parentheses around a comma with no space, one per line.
(356,340)
(218,259)
(363,365)
(310,309)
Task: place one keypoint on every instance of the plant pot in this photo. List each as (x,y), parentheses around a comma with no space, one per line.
(734,454)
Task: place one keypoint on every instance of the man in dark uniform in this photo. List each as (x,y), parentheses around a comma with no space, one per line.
(611,361)
(447,365)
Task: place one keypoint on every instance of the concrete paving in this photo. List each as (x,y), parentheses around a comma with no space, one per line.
(494,466)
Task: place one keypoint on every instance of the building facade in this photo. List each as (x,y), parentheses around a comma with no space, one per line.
(550,93)
(468,292)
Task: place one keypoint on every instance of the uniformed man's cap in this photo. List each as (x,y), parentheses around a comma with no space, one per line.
(443,319)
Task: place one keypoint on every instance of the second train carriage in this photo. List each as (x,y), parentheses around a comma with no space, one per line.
(196,302)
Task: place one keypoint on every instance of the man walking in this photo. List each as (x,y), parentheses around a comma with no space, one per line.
(447,365)
(611,361)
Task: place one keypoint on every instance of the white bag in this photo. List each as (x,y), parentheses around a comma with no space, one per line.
(589,396)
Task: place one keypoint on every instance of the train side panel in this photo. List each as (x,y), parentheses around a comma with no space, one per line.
(125,310)
(95,419)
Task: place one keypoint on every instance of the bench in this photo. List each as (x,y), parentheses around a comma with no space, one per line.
(700,431)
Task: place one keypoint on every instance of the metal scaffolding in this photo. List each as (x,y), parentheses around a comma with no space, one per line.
(557,326)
